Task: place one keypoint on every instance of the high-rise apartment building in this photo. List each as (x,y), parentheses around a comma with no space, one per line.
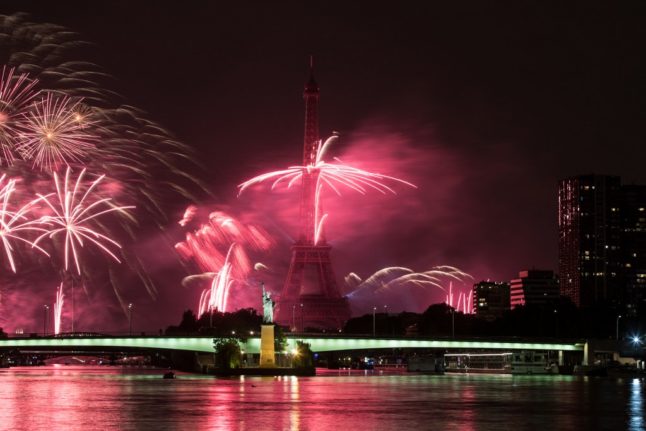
(633,247)
(602,242)
(534,287)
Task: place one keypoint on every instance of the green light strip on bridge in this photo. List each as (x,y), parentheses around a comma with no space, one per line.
(205,344)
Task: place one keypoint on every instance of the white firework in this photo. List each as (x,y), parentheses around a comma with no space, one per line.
(16,91)
(73,211)
(14,224)
(55,133)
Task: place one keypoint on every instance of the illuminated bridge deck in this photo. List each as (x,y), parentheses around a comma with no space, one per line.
(252,345)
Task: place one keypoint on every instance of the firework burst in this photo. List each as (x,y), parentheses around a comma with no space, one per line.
(14,224)
(335,176)
(73,211)
(50,64)
(16,92)
(55,133)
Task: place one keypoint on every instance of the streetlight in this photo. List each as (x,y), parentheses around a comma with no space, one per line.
(374,316)
(617,327)
(294,317)
(386,330)
(45,318)
(302,319)
(130,306)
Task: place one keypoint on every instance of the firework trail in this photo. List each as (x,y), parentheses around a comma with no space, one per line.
(464,303)
(208,246)
(189,214)
(216,298)
(58,309)
(73,210)
(389,284)
(55,134)
(335,176)
(14,224)
(211,248)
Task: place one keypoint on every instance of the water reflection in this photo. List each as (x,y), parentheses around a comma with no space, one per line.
(86,398)
(636,406)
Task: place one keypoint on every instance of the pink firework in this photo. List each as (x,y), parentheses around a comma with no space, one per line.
(222,246)
(464,302)
(54,133)
(217,296)
(210,245)
(333,175)
(16,91)
(188,216)
(58,309)
(393,284)
(72,214)
(14,224)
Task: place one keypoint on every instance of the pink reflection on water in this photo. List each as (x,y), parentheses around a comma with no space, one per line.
(105,398)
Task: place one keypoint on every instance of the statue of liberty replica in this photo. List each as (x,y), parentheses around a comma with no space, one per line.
(267,352)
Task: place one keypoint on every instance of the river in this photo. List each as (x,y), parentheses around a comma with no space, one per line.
(103,398)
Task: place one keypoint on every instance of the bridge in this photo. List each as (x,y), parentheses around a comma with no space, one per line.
(318,343)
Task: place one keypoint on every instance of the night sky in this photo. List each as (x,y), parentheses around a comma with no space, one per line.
(483,106)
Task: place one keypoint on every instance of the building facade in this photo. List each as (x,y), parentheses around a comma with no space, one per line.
(534,287)
(490,299)
(602,244)
(633,247)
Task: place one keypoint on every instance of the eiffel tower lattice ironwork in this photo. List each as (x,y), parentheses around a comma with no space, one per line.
(310,296)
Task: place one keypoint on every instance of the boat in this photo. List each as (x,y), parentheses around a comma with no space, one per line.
(478,363)
(426,364)
(532,362)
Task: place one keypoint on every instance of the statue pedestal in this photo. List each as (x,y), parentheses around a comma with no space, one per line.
(267,352)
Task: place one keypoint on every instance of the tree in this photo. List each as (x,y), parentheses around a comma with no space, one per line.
(303,356)
(280,341)
(227,353)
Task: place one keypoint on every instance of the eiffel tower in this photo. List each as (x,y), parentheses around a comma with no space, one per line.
(310,297)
